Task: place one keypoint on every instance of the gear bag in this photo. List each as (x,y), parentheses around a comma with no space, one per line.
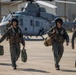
(48,41)
(23,55)
(1,50)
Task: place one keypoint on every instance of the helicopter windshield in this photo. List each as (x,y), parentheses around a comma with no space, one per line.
(4,18)
(9,17)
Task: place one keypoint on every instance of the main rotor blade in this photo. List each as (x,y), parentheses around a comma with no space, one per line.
(69,2)
(16,2)
(46,4)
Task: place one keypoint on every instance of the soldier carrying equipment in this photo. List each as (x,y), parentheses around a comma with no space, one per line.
(60,35)
(15,38)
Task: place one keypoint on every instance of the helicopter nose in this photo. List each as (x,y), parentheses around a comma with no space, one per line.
(4,23)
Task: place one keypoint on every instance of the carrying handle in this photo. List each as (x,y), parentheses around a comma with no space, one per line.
(24,49)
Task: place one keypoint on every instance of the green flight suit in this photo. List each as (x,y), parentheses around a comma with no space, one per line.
(59,36)
(15,38)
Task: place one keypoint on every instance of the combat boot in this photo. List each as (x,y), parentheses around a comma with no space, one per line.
(57,67)
(14,67)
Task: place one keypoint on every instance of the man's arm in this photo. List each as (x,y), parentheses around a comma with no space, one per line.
(73,38)
(4,36)
(66,37)
(21,37)
(22,40)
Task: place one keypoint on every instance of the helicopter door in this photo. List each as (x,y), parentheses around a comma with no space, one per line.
(31,27)
(36,27)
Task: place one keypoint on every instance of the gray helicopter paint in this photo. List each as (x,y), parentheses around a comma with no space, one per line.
(32,24)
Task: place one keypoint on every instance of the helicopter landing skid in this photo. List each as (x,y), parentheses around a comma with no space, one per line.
(34,38)
(42,37)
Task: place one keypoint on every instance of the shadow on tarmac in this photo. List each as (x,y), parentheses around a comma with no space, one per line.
(5,64)
(65,70)
(32,70)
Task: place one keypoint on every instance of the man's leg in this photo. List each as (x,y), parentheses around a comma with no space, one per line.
(17,51)
(56,55)
(61,50)
(13,55)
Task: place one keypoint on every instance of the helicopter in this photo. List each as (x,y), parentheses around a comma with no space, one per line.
(33,20)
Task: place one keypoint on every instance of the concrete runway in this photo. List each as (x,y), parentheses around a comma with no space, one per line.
(40,60)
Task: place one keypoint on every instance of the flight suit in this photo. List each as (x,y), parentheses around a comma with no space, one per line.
(58,38)
(15,38)
(73,38)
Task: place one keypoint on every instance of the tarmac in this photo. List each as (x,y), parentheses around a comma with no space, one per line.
(40,60)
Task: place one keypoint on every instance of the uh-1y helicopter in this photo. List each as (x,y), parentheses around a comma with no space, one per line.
(33,20)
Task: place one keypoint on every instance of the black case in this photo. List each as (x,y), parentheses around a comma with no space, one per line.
(1,50)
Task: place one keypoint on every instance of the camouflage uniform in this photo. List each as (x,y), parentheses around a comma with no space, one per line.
(59,37)
(15,37)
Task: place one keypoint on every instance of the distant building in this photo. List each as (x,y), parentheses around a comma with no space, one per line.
(66,10)
(5,7)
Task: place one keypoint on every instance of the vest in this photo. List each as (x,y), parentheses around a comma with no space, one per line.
(14,36)
(59,36)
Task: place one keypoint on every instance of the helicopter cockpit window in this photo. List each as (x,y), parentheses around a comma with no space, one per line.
(8,17)
(37,23)
(21,22)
